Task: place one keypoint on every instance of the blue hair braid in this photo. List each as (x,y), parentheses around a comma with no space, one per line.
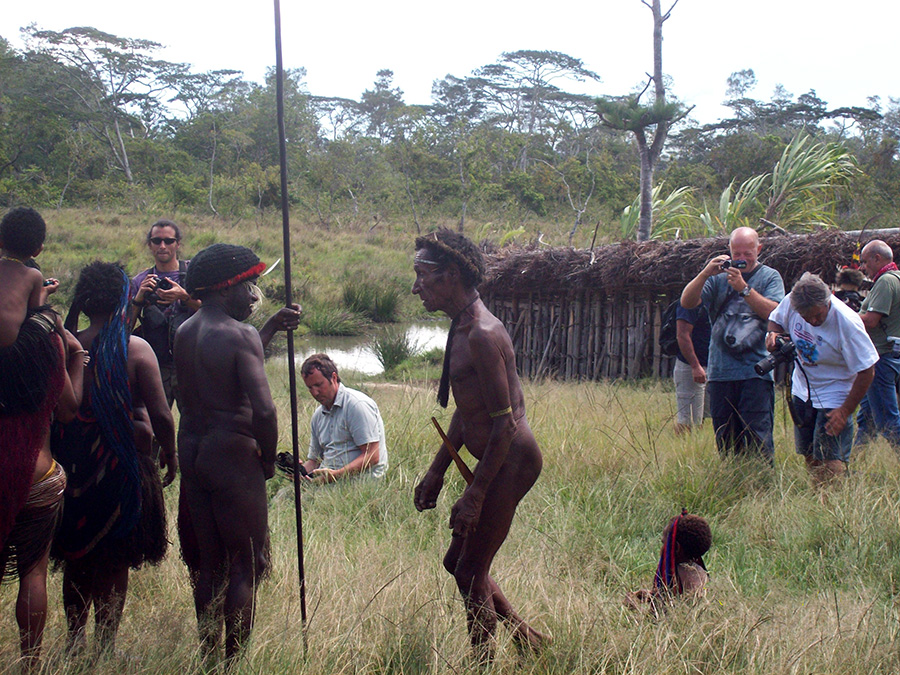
(666,578)
(112,406)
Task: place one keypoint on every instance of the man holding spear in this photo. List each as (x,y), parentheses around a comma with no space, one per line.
(480,368)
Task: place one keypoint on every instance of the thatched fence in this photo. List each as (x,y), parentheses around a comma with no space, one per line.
(580,314)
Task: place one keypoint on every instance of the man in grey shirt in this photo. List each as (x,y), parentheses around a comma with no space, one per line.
(347,432)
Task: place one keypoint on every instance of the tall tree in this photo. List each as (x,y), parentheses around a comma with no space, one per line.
(117,82)
(629,114)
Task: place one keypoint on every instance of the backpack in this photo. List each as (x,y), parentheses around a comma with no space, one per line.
(668,332)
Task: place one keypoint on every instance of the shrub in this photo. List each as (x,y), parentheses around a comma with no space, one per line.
(392,348)
(333,321)
(372,299)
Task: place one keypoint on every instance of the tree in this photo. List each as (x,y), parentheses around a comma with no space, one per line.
(521,95)
(629,114)
(382,105)
(116,81)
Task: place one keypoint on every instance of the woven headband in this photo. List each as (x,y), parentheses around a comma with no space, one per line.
(254,271)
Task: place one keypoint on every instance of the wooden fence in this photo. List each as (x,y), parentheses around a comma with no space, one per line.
(586,335)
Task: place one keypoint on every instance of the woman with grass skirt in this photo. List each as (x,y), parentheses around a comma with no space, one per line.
(114,517)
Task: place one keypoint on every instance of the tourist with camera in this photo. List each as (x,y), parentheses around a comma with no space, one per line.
(834,365)
(159,300)
(739,294)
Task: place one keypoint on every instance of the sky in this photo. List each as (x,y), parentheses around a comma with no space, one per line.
(844,51)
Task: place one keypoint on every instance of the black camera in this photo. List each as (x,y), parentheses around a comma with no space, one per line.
(736,264)
(162,284)
(784,352)
(284,461)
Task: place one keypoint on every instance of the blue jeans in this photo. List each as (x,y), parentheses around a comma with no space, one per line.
(810,437)
(742,414)
(878,410)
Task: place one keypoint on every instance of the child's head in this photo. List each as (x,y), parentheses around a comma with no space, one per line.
(692,534)
(22,232)
(685,539)
(849,279)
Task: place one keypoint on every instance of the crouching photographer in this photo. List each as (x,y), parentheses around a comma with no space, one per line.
(834,361)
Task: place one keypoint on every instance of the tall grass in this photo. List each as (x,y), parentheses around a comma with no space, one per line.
(798,585)
(326,320)
(374,299)
(393,347)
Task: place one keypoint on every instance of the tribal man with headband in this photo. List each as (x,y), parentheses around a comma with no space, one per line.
(226,443)
(480,368)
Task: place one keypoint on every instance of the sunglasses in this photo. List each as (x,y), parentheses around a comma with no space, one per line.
(156,241)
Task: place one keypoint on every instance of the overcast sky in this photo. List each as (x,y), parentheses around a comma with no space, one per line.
(845,51)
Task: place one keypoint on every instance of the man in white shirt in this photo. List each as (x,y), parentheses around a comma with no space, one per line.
(346,432)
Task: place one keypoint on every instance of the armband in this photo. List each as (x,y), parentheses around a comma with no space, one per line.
(138,303)
(500,413)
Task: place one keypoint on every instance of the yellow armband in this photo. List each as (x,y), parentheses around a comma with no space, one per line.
(501,413)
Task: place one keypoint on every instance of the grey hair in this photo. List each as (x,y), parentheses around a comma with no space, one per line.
(809,292)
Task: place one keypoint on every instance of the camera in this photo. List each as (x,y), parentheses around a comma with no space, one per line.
(784,352)
(736,264)
(162,284)
(284,461)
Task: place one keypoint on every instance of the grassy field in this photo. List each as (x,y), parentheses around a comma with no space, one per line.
(323,261)
(798,585)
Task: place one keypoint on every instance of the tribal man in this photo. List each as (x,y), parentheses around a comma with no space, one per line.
(480,368)
(226,443)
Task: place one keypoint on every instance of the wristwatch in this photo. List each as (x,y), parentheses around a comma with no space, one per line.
(744,293)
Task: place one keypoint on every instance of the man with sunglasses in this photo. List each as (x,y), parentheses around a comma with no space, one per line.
(159,300)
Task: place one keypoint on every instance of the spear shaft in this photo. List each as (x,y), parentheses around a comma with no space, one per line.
(288,300)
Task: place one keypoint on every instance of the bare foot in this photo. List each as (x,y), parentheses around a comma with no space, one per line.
(528,639)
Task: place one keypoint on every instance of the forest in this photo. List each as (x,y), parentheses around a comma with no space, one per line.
(90,119)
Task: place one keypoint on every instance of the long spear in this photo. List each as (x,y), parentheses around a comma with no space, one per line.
(288,300)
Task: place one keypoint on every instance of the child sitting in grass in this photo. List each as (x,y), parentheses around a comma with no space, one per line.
(681,570)
(22,233)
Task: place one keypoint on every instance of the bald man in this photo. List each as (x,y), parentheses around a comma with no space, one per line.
(739,298)
(880,313)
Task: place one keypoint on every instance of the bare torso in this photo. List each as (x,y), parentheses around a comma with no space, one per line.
(21,290)
(211,355)
(475,400)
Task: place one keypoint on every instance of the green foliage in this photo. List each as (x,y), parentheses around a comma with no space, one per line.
(800,192)
(804,182)
(95,120)
(372,299)
(627,113)
(327,320)
(673,216)
(736,211)
(393,347)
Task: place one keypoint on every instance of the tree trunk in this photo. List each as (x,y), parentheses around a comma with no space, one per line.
(645,223)
(650,154)
(123,158)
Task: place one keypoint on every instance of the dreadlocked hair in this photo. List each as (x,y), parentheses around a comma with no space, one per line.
(448,246)
(110,394)
(693,535)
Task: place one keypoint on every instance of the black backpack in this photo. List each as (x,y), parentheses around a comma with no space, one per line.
(668,332)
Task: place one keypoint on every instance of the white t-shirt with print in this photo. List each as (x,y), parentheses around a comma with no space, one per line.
(830,355)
